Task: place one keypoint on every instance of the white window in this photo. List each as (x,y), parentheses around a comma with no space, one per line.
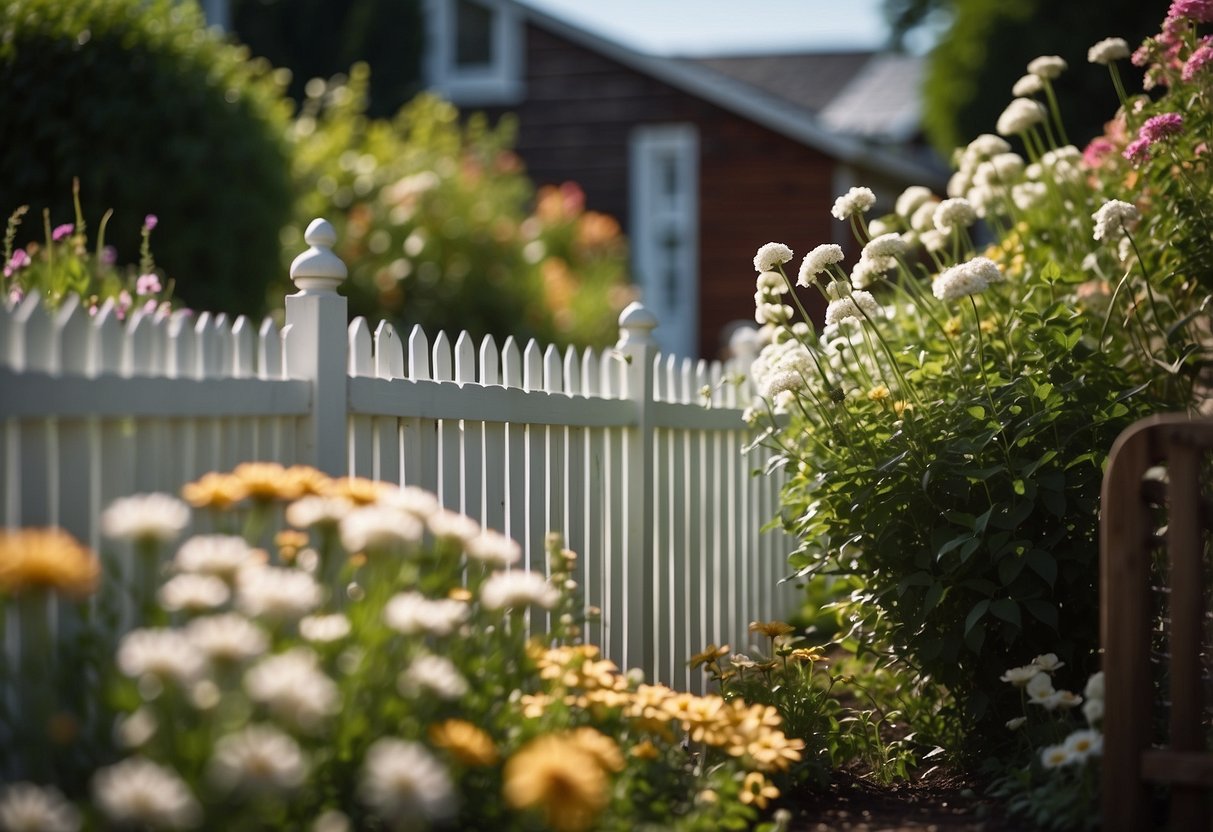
(474,51)
(664,231)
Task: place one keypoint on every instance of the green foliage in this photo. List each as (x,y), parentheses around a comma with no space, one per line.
(320,38)
(989,42)
(62,265)
(153,114)
(435,220)
(946,447)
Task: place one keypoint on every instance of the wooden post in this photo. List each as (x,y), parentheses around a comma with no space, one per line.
(316,347)
(641,629)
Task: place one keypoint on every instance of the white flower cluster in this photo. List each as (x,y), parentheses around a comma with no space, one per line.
(1108,50)
(817,261)
(781,367)
(1113,218)
(954,214)
(25,807)
(406,784)
(153,518)
(1020,115)
(411,613)
(1037,683)
(969,278)
(911,199)
(855,201)
(1027,86)
(1047,67)
(771,256)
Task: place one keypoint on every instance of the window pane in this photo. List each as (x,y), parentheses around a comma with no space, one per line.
(473,34)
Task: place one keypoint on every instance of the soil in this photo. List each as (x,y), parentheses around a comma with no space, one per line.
(939,800)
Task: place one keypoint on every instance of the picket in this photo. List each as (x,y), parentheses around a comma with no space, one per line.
(635,458)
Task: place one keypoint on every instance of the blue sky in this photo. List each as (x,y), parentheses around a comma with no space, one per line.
(688,27)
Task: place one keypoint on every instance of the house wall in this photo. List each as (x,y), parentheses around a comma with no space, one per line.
(755,185)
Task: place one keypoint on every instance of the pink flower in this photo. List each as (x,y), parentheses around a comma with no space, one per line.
(18,261)
(62,231)
(150,221)
(1137,151)
(15,295)
(109,255)
(147,284)
(1161,127)
(1198,60)
(1099,149)
(1200,11)
(124,304)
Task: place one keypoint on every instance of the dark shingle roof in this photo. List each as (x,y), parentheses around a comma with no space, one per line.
(809,80)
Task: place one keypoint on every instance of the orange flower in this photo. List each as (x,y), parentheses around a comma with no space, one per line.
(47,559)
(771,629)
(213,490)
(465,742)
(556,775)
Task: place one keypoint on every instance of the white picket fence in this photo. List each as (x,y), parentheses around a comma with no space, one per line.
(619,450)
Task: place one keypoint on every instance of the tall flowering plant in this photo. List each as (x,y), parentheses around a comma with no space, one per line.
(945,431)
(345,654)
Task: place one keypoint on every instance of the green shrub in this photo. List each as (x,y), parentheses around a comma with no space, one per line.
(946,432)
(154,114)
(440,226)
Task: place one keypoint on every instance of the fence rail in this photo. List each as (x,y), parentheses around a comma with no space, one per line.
(637,458)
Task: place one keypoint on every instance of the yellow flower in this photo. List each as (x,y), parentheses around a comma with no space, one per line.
(214,490)
(988,325)
(556,775)
(757,790)
(600,746)
(289,542)
(952,326)
(465,742)
(709,655)
(878,393)
(46,559)
(268,481)
(901,406)
(357,490)
(645,751)
(308,480)
(771,629)
(806,654)
(459,593)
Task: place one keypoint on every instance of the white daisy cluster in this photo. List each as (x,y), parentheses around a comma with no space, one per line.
(954,214)
(1027,86)
(222,556)
(258,759)
(857,304)
(1113,218)
(405,783)
(1047,67)
(429,674)
(149,518)
(857,200)
(969,278)
(770,256)
(911,199)
(781,367)
(25,807)
(277,593)
(1108,50)
(294,688)
(1020,115)
(1036,681)
(1063,164)
(380,527)
(140,793)
(817,261)
(411,613)
(517,590)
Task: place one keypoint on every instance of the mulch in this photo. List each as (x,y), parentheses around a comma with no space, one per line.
(939,800)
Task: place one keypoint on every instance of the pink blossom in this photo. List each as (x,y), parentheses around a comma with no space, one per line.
(1200,11)
(1198,60)
(1137,151)
(62,231)
(19,260)
(124,304)
(1161,127)
(149,308)
(15,295)
(147,284)
(150,221)
(1099,149)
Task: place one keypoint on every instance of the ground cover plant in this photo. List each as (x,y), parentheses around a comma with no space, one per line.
(944,434)
(336,654)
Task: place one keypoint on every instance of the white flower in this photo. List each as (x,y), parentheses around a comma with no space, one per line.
(411,613)
(954,213)
(1095,686)
(1092,709)
(1016,723)
(25,807)
(1084,744)
(166,654)
(924,216)
(214,554)
(771,255)
(276,592)
(910,199)
(1112,218)
(817,261)
(315,510)
(155,518)
(375,526)
(1020,676)
(451,525)
(258,759)
(854,201)
(1048,662)
(416,501)
(933,240)
(1055,756)
(513,590)
(294,687)
(435,674)
(138,792)
(985,146)
(857,305)
(774,313)
(1108,50)
(868,269)
(403,781)
(958,184)
(1027,86)
(494,549)
(137,728)
(1027,195)
(886,245)
(970,278)
(1047,66)
(778,382)
(324,628)
(1020,114)
(331,821)
(1039,686)
(193,593)
(228,638)
(770,283)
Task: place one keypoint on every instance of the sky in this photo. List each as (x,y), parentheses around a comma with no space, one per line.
(689,27)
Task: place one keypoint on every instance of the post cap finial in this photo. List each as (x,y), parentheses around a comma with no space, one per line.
(636,325)
(318,270)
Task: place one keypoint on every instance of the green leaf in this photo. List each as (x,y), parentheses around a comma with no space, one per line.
(976,614)
(977,411)
(1043,611)
(1019,487)
(1051,271)
(1009,569)
(1043,564)
(935,593)
(1007,610)
(1043,391)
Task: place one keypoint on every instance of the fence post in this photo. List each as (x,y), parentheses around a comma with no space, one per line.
(316,346)
(641,628)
